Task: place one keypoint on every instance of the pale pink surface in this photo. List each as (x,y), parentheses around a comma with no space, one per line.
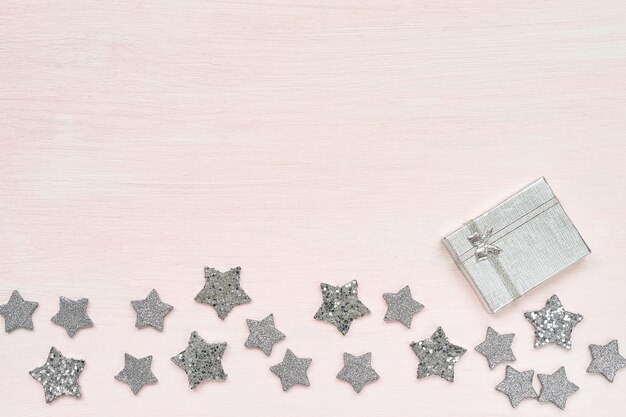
(305,141)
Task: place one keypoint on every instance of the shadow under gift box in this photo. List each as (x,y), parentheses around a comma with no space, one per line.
(517,245)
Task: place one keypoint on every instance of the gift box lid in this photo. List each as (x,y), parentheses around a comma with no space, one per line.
(516,245)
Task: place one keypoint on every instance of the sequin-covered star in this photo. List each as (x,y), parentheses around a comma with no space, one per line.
(151,311)
(18,313)
(222,291)
(606,360)
(401,306)
(357,370)
(136,372)
(556,388)
(517,385)
(201,360)
(292,370)
(341,305)
(72,315)
(497,347)
(263,334)
(59,375)
(437,356)
(553,324)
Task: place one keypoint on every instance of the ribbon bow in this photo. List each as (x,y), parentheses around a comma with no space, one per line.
(484,250)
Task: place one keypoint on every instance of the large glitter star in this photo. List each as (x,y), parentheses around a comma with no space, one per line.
(263,334)
(136,372)
(72,315)
(517,385)
(222,291)
(556,388)
(606,360)
(401,306)
(201,360)
(59,375)
(341,305)
(553,324)
(151,311)
(497,347)
(292,370)
(437,356)
(357,370)
(18,313)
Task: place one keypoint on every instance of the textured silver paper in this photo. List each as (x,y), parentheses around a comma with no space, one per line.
(516,245)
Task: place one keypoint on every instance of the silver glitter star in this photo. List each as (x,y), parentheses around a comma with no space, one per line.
(17,313)
(201,360)
(437,356)
(72,315)
(606,360)
(263,334)
(556,388)
(341,305)
(151,311)
(136,372)
(401,306)
(497,347)
(553,324)
(292,370)
(59,375)
(517,385)
(357,370)
(222,291)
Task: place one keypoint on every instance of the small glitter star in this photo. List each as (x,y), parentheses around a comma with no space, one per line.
(437,356)
(357,370)
(341,305)
(606,360)
(201,360)
(136,372)
(222,291)
(517,385)
(18,313)
(59,375)
(151,311)
(72,315)
(292,370)
(401,306)
(263,334)
(497,347)
(553,324)
(556,388)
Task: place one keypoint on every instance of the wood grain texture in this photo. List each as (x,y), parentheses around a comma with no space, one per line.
(305,141)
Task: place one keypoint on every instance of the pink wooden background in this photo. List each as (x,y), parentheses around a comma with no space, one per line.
(306,141)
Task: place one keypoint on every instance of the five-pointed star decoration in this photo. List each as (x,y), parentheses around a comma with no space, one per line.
(556,388)
(606,360)
(357,370)
(72,315)
(59,375)
(341,305)
(201,360)
(18,313)
(553,324)
(136,372)
(517,385)
(292,370)
(437,356)
(222,290)
(401,306)
(151,311)
(263,334)
(497,347)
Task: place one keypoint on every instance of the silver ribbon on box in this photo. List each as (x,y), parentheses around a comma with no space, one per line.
(484,248)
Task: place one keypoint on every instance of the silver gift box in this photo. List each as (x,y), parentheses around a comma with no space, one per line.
(516,245)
